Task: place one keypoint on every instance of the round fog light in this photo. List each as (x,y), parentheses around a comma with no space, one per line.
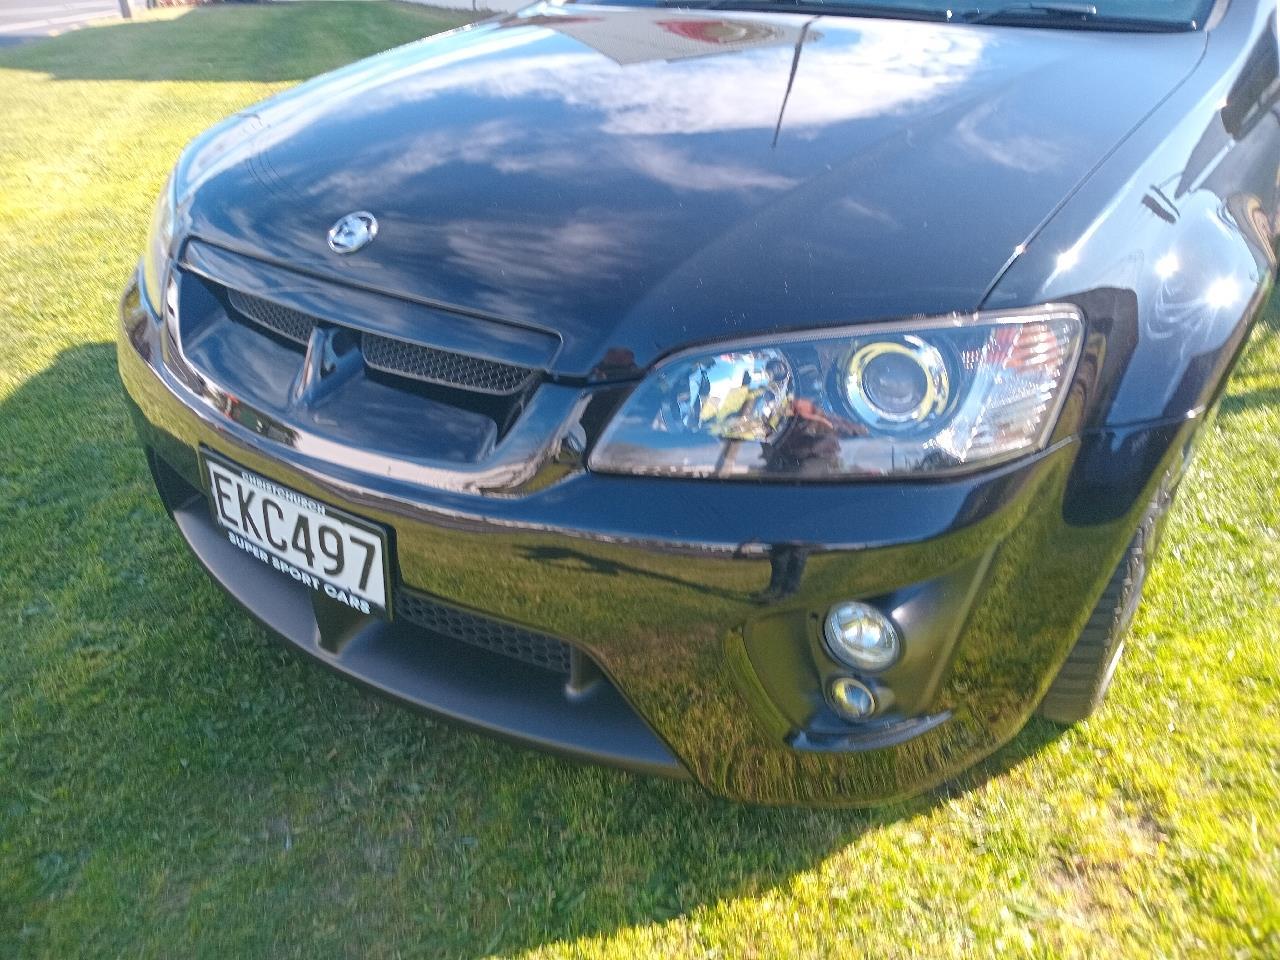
(852,699)
(859,635)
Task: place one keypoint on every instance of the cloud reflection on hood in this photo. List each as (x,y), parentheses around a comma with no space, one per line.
(877,68)
(891,66)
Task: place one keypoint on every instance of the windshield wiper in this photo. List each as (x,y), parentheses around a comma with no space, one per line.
(1042,13)
(1062,13)
(836,8)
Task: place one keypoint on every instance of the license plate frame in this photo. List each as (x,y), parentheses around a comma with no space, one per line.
(230,509)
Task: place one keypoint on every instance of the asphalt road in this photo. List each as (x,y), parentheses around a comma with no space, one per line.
(25,19)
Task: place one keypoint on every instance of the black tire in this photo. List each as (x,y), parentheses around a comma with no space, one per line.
(1082,681)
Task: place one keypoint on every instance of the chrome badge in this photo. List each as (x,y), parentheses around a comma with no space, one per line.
(353,232)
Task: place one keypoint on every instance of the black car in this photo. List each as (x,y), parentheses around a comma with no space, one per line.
(786,396)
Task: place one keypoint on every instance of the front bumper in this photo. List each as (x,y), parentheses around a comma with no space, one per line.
(694,607)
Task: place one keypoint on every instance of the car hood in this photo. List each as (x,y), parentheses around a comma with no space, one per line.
(636,180)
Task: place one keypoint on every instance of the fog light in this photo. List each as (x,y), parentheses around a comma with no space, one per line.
(860,636)
(852,698)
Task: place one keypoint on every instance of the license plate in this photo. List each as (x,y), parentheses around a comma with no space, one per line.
(324,548)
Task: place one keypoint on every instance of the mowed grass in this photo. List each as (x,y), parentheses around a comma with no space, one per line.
(172,785)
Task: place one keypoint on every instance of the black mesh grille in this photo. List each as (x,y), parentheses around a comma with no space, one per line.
(393,356)
(442,366)
(291,324)
(524,645)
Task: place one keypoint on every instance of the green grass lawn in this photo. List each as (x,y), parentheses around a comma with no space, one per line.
(173,785)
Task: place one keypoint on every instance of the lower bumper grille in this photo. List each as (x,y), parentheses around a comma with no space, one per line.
(527,646)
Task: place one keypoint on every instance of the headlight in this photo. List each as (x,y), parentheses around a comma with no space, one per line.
(216,148)
(925,396)
(155,262)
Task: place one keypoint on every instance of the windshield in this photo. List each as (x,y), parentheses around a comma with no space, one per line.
(1062,14)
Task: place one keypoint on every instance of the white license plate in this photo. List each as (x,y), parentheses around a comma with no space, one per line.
(324,548)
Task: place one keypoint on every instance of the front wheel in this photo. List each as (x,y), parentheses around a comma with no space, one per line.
(1082,681)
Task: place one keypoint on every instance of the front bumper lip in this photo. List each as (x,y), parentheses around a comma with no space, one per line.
(471,687)
(667,584)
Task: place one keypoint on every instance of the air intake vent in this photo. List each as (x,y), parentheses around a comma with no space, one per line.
(389,355)
(536,649)
(443,367)
(291,324)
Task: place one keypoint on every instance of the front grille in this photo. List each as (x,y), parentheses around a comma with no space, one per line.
(536,649)
(389,355)
(442,366)
(289,323)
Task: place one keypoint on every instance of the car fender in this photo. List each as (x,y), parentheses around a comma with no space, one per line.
(1168,246)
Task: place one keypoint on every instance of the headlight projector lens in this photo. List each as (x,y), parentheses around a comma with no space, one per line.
(897,383)
(860,636)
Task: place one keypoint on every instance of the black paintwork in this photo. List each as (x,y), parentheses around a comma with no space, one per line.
(582,190)
(518,170)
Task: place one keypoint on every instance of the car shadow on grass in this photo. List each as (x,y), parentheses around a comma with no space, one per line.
(1246,400)
(158,717)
